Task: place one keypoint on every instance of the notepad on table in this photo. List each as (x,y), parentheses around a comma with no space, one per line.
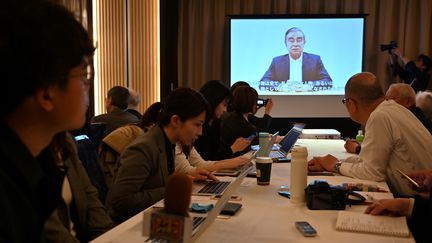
(359,222)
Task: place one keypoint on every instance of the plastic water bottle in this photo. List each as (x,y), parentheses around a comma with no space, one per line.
(360,136)
(299,170)
(263,143)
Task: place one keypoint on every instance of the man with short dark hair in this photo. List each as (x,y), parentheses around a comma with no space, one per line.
(116,104)
(394,139)
(44,55)
(297,65)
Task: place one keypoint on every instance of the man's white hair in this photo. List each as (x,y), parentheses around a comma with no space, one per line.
(424,102)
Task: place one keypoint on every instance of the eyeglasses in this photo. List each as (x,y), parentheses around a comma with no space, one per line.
(85,77)
(345,100)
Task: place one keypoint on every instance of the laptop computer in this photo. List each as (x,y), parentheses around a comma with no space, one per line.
(281,155)
(225,197)
(210,188)
(200,222)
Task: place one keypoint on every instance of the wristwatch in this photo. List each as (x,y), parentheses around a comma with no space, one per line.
(337,167)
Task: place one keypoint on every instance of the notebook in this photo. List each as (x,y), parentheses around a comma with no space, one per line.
(366,223)
(286,144)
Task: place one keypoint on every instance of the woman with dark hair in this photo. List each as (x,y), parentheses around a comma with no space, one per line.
(235,125)
(149,159)
(80,216)
(217,94)
(116,142)
(262,124)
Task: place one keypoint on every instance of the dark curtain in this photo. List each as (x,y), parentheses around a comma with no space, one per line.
(203,31)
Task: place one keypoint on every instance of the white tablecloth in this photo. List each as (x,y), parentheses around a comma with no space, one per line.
(268,217)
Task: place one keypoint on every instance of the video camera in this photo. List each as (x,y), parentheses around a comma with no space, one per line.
(262,102)
(389,47)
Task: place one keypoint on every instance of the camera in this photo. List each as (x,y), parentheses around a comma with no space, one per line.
(321,196)
(389,47)
(262,102)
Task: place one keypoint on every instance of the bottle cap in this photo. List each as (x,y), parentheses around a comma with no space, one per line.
(299,151)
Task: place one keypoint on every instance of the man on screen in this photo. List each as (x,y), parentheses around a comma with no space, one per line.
(297,65)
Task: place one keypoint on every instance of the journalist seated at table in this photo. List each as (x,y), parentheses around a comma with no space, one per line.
(236,126)
(394,138)
(404,95)
(417,209)
(80,216)
(424,102)
(149,159)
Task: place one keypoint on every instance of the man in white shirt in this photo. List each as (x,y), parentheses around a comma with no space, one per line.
(394,139)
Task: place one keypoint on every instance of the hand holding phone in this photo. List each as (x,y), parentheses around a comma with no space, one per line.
(251,137)
(413,182)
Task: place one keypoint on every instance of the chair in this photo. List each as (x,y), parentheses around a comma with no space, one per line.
(89,158)
(97,133)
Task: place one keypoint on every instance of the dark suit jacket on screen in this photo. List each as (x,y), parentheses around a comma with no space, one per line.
(312,69)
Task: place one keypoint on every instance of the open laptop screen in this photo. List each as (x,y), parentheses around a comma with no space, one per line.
(290,139)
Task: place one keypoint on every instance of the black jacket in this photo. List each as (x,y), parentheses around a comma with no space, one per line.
(30,189)
(233,126)
(422,118)
(421,219)
(207,145)
(413,76)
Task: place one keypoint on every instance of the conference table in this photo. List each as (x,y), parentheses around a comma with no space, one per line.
(269,217)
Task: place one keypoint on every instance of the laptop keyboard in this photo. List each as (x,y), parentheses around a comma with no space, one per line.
(197,221)
(214,187)
(276,154)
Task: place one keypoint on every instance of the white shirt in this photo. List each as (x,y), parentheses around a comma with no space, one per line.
(296,73)
(68,199)
(183,164)
(394,139)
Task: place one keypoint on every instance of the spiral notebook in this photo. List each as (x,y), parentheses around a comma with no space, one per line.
(360,222)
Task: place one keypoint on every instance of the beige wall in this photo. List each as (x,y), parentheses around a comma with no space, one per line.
(126,34)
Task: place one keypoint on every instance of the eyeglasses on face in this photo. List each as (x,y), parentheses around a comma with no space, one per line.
(345,100)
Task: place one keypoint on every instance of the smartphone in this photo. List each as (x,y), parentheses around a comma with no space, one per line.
(285,194)
(262,102)
(231,208)
(251,137)
(409,179)
(305,229)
